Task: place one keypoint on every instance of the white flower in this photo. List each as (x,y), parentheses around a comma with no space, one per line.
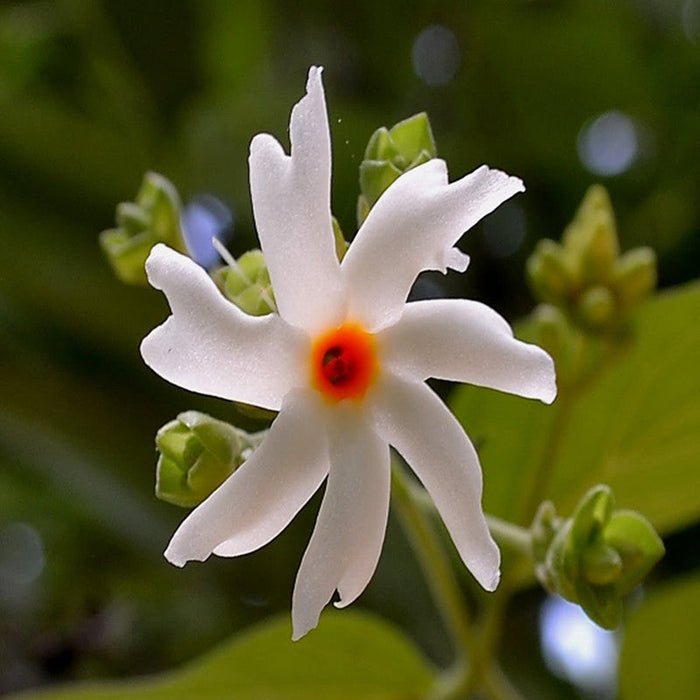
(345,363)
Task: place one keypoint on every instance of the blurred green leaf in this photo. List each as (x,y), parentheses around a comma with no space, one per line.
(636,429)
(662,645)
(349,656)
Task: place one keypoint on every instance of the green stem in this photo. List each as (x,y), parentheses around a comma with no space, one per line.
(539,483)
(510,535)
(440,577)
(505,533)
(568,395)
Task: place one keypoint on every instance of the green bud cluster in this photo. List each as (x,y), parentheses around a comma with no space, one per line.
(585,276)
(152,218)
(246,282)
(596,557)
(391,152)
(197,454)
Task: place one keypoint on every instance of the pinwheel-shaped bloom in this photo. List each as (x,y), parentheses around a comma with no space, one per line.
(344,362)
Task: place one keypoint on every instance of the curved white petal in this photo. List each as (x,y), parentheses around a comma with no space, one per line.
(413,227)
(466,341)
(261,497)
(291,203)
(414,420)
(210,346)
(346,543)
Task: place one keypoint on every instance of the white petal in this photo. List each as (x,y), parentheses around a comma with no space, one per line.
(291,203)
(210,346)
(261,497)
(414,420)
(346,543)
(412,228)
(466,341)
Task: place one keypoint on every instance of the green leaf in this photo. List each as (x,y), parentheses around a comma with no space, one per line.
(637,428)
(662,642)
(350,656)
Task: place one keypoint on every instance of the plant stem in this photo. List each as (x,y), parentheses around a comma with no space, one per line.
(510,535)
(440,577)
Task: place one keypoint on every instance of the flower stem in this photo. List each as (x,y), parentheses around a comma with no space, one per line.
(510,535)
(440,577)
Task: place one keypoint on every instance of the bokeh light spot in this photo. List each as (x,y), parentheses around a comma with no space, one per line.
(609,144)
(21,555)
(577,650)
(435,55)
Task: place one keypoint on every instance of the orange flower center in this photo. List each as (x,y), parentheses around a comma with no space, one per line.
(343,362)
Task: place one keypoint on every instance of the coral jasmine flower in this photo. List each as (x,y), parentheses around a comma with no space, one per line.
(344,362)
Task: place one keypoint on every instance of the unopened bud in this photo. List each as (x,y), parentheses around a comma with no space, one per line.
(635,276)
(391,152)
(375,178)
(197,454)
(341,245)
(380,146)
(601,564)
(549,273)
(246,282)
(597,307)
(154,217)
(600,249)
(597,556)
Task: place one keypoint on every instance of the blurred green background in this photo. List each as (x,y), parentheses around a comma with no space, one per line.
(562,93)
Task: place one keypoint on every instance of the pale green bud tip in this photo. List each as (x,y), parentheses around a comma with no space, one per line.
(246,282)
(153,217)
(197,454)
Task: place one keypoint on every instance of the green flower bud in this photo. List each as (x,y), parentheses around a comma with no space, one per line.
(600,253)
(375,178)
(391,152)
(542,532)
(413,139)
(341,245)
(597,556)
(586,277)
(639,547)
(197,454)
(246,282)
(152,218)
(381,146)
(549,273)
(635,276)
(601,564)
(594,212)
(597,307)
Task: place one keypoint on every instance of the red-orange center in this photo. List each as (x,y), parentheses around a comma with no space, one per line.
(343,362)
